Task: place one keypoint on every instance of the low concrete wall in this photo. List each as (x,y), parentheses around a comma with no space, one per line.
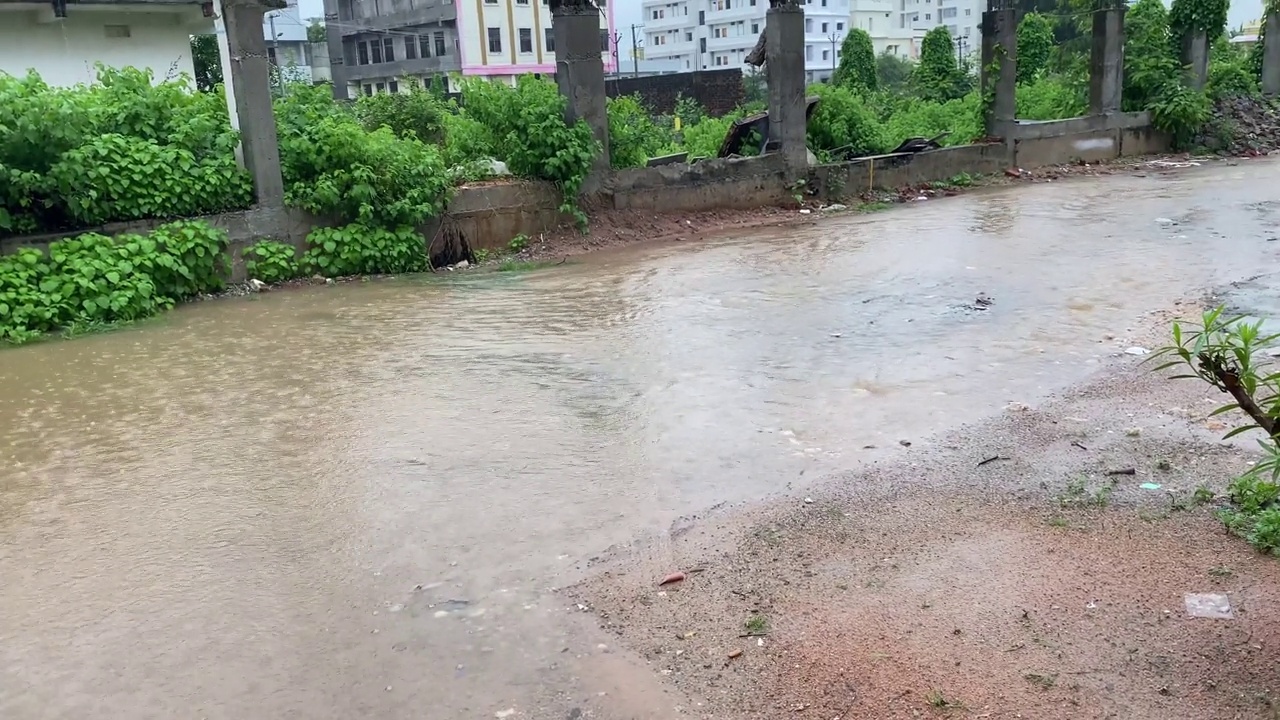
(485,216)
(888,172)
(1092,139)
(707,185)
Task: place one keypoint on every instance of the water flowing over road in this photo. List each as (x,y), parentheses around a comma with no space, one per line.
(353,501)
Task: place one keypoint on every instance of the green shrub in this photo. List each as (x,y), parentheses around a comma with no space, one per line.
(271,261)
(358,249)
(633,135)
(1229,77)
(120,149)
(842,119)
(525,126)
(1181,112)
(1035,45)
(92,279)
(415,114)
(1052,98)
(938,76)
(857,69)
(1149,61)
(704,138)
(960,118)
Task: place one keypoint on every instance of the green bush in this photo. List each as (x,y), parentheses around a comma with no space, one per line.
(271,261)
(93,279)
(120,149)
(843,120)
(1229,77)
(960,119)
(938,76)
(358,249)
(704,138)
(525,126)
(335,168)
(415,114)
(634,137)
(857,69)
(1035,45)
(1052,98)
(1181,112)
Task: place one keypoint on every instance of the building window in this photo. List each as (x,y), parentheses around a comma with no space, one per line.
(522,2)
(382,87)
(928,16)
(375,51)
(688,37)
(411,48)
(440,49)
(839,26)
(702,17)
(526,40)
(362,54)
(368,89)
(604,41)
(393,86)
(968,11)
(826,54)
(549,40)
(388,50)
(808,26)
(424,45)
(495,40)
(824,27)
(808,52)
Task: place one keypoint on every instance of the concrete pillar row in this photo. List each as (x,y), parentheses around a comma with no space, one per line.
(788,104)
(1000,53)
(580,77)
(1271,56)
(1106,62)
(250,86)
(1195,58)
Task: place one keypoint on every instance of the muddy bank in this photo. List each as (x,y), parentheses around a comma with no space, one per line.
(1015,568)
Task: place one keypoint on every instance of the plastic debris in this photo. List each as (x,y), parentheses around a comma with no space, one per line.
(1150,486)
(1208,605)
(1135,350)
(674,577)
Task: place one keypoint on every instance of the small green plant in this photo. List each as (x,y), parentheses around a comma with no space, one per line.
(358,249)
(937,700)
(271,262)
(515,265)
(1221,571)
(482,256)
(1079,494)
(757,625)
(1226,353)
(518,243)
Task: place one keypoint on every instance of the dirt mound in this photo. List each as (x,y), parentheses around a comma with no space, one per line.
(1243,126)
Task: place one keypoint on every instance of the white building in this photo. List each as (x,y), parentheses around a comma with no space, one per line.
(288,47)
(961,18)
(502,39)
(63,41)
(707,34)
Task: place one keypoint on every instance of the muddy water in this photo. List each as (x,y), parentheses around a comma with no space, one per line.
(351,502)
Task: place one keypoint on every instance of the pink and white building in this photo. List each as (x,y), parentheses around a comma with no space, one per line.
(389,45)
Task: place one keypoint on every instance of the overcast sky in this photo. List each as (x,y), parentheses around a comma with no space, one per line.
(627,12)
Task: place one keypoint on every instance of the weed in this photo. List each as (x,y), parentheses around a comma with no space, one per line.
(518,243)
(1045,682)
(876,206)
(1164,465)
(1221,571)
(757,624)
(936,699)
(514,265)
(1059,522)
(1078,494)
(1203,495)
(482,255)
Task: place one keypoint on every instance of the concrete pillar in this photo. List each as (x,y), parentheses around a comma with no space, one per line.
(1271,56)
(1195,58)
(1000,69)
(251,87)
(580,76)
(784,50)
(1106,62)
(337,56)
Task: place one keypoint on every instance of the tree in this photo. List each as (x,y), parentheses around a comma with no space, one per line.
(316,32)
(857,70)
(892,72)
(206,61)
(1149,60)
(1035,43)
(938,77)
(1188,16)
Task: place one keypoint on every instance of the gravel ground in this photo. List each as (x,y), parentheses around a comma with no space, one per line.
(947,583)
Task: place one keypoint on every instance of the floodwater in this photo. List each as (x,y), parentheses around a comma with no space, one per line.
(354,501)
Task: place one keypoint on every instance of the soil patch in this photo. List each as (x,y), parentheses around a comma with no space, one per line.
(1045,583)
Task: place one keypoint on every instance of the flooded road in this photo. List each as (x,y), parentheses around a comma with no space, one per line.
(351,502)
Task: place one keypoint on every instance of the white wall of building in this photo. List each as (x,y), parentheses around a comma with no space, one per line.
(501,39)
(64,50)
(710,34)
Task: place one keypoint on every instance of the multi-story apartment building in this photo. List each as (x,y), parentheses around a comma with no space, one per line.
(385,45)
(961,18)
(706,34)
